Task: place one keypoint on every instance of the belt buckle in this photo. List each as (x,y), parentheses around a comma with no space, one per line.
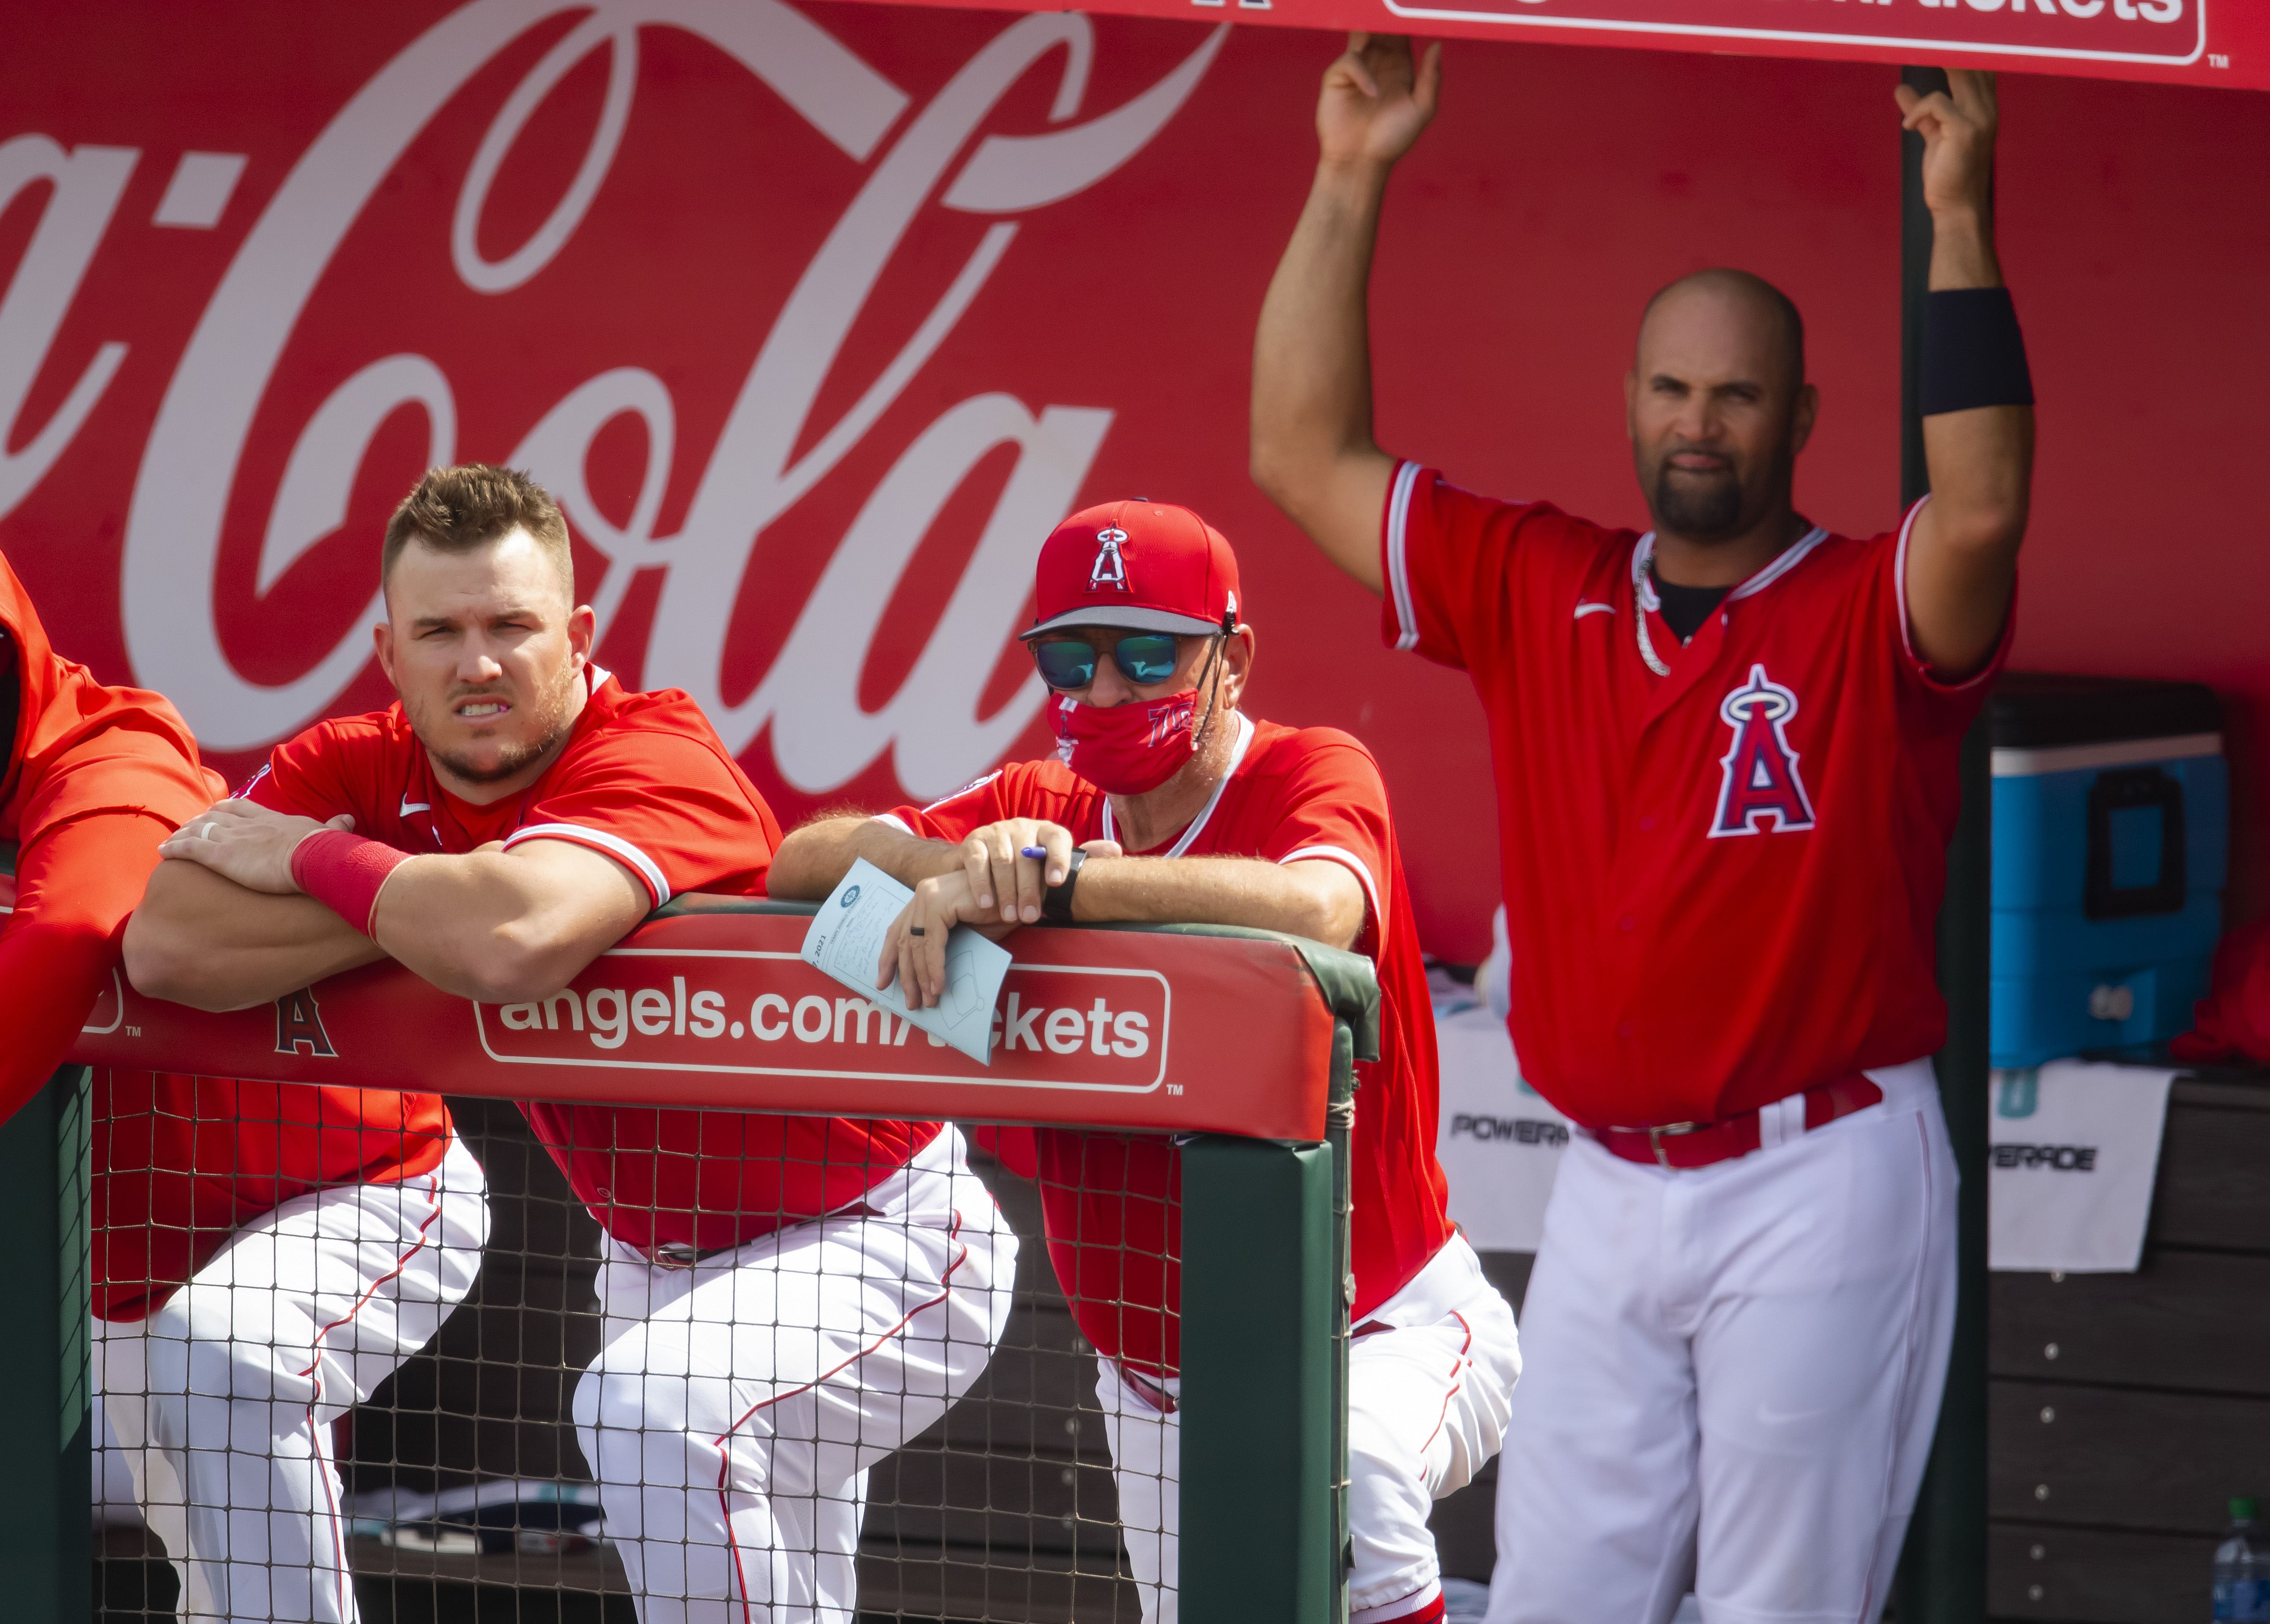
(1655,1138)
(675,1255)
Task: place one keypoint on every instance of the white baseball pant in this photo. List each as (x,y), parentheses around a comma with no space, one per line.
(735,1406)
(222,1401)
(1428,1396)
(1734,1374)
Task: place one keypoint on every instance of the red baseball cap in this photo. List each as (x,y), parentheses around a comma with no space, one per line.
(1147,566)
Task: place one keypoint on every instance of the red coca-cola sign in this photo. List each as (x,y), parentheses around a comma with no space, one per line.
(719,331)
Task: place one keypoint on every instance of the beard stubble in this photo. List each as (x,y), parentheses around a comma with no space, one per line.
(1697,510)
(553,715)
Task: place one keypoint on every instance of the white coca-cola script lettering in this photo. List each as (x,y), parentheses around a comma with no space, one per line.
(769,454)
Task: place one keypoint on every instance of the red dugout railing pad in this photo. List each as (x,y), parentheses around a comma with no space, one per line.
(1169,1032)
(2220,43)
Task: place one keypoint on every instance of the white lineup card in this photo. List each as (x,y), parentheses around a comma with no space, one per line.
(846,942)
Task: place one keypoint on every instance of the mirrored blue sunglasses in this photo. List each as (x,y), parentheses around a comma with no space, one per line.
(1143,657)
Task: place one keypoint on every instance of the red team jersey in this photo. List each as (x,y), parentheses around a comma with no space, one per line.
(1721,885)
(1112,1201)
(644,779)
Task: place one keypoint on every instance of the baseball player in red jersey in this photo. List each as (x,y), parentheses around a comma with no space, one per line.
(1726,754)
(785,1299)
(201,1180)
(91,779)
(1171,803)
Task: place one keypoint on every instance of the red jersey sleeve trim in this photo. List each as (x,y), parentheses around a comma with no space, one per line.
(1921,666)
(615,846)
(895,821)
(1394,552)
(1341,855)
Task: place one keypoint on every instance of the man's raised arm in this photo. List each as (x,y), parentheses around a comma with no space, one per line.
(1978,415)
(1313,454)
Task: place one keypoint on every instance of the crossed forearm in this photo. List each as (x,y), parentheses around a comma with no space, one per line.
(502,927)
(488,925)
(205,941)
(1320,899)
(812,861)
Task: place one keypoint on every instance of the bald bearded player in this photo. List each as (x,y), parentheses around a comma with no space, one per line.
(1726,757)
(784,1300)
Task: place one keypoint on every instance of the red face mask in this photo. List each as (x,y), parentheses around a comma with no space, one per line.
(1126,749)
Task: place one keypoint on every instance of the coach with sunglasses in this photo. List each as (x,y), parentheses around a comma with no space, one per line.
(1166,804)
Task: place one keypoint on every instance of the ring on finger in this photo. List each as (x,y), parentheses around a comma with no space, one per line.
(914,930)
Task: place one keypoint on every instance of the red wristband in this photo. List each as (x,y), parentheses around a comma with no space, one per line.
(344,872)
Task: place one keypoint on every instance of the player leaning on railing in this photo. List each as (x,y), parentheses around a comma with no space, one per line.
(785,1299)
(205,1188)
(92,778)
(1727,756)
(1226,821)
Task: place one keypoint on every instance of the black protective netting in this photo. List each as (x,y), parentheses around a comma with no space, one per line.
(463,1486)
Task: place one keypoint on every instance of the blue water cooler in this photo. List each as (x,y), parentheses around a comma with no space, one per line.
(2111,839)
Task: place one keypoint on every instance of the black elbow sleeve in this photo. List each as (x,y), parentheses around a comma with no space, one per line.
(1973,353)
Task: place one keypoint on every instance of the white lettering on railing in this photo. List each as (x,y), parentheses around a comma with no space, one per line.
(615,1013)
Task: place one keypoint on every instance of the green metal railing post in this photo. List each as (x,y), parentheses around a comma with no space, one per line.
(46,1452)
(1260,1292)
(1942,1577)
(1263,1513)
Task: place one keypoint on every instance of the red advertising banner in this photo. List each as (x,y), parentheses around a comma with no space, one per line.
(1177,1034)
(2224,42)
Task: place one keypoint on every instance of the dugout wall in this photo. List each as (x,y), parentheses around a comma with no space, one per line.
(1253,1066)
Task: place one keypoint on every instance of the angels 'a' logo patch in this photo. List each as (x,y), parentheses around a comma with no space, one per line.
(1110,567)
(300,1026)
(1760,789)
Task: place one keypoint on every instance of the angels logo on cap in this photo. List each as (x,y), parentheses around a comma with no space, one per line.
(1110,567)
(1187,585)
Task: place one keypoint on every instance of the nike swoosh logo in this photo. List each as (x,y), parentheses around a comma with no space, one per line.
(1594,609)
(409,806)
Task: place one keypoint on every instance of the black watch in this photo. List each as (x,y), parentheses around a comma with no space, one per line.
(1055,902)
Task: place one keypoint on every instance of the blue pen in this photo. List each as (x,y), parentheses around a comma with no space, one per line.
(1035,851)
